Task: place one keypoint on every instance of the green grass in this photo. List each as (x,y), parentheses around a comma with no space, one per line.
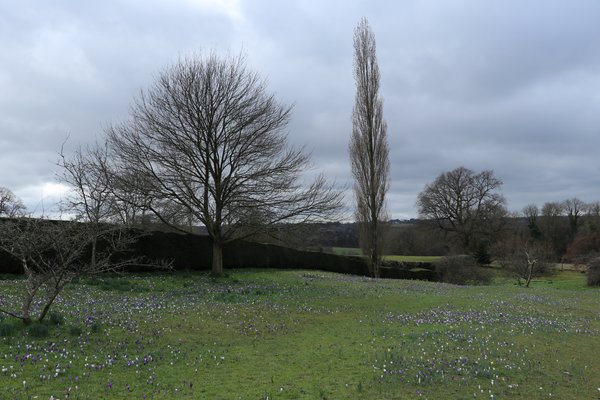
(260,334)
(429,259)
(347,251)
(352,251)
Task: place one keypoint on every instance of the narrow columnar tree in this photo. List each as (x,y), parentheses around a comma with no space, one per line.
(209,139)
(369,153)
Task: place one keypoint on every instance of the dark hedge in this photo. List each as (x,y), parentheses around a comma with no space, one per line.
(194,252)
(9,264)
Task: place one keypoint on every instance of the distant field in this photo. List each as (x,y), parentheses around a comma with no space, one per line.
(352,251)
(347,251)
(294,334)
(413,258)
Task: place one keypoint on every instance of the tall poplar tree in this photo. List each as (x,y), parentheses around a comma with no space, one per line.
(369,152)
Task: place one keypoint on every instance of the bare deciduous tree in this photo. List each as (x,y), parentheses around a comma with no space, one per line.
(531,213)
(466,204)
(91,193)
(97,195)
(209,139)
(10,204)
(369,148)
(93,198)
(524,258)
(593,216)
(53,253)
(554,227)
(575,208)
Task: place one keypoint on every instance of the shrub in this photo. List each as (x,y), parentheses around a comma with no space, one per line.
(593,273)
(55,318)
(584,248)
(75,330)
(6,329)
(38,330)
(96,327)
(118,284)
(462,270)
(482,253)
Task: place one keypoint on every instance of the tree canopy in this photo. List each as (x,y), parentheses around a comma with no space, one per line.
(208,138)
(464,203)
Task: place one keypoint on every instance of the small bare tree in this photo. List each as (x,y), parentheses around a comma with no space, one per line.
(95,201)
(208,139)
(91,193)
(53,253)
(10,205)
(369,153)
(97,195)
(522,257)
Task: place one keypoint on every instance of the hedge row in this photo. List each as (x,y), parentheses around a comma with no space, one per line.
(194,252)
(9,264)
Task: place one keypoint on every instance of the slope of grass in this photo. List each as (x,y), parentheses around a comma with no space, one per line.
(261,334)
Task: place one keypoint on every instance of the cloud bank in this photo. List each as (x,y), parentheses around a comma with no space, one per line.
(511,86)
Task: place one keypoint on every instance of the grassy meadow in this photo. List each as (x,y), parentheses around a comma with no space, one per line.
(267,334)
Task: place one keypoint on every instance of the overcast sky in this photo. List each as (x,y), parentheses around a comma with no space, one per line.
(511,85)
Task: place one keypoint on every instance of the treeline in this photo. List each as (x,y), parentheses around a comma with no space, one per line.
(568,231)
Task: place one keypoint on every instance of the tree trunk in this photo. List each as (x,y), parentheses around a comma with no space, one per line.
(530,266)
(48,304)
(375,263)
(31,289)
(217,259)
(25,311)
(375,250)
(94,254)
(529,273)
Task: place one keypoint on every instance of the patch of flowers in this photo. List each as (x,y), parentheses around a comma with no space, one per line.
(517,319)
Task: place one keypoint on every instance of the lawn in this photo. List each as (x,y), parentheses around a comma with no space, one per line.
(347,251)
(353,251)
(261,334)
(426,259)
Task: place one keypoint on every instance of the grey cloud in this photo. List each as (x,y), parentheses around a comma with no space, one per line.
(510,86)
